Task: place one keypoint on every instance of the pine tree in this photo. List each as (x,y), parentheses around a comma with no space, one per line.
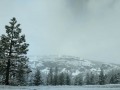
(20,76)
(61,79)
(114,79)
(2,63)
(31,79)
(96,79)
(92,79)
(22,71)
(78,80)
(13,47)
(37,78)
(55,81)
(101,78)
(68,80)
(118,77)
(50,77)
(87,79)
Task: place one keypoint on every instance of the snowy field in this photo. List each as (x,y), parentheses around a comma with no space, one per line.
(106,87)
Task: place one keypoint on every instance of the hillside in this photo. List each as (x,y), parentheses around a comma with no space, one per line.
(71,64)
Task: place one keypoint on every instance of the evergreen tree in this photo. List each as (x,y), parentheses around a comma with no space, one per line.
(20,75)
(78,80)
(101,78)
(114,79)
(2,63)
(22,71)
(50,77)
(31,79)
(13,47)
(68,80)
(92,79)
(87,79)
(2,71)
(55,82)
(61,79)
(118,77)
(37,78)
(96,79)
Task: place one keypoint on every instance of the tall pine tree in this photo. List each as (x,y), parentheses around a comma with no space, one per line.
(14,49)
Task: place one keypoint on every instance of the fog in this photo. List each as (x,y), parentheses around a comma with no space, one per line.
(87,29)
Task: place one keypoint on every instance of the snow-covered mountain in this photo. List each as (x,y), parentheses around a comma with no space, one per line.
(71,64)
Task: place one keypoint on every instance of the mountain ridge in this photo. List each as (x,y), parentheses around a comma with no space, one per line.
(71,64)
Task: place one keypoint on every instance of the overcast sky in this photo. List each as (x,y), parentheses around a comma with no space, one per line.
(89,29)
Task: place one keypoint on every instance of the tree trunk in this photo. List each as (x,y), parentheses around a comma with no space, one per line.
(8,66)
(7,72)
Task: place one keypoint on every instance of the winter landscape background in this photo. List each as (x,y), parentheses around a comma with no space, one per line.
(60,45)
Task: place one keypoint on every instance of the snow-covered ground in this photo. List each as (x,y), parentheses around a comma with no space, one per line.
(106,87)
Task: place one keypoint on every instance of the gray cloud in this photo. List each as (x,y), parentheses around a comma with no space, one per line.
(85,28)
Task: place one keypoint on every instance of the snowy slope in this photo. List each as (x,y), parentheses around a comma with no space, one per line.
(71,64)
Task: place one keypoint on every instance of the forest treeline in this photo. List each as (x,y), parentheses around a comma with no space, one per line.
(54,77)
